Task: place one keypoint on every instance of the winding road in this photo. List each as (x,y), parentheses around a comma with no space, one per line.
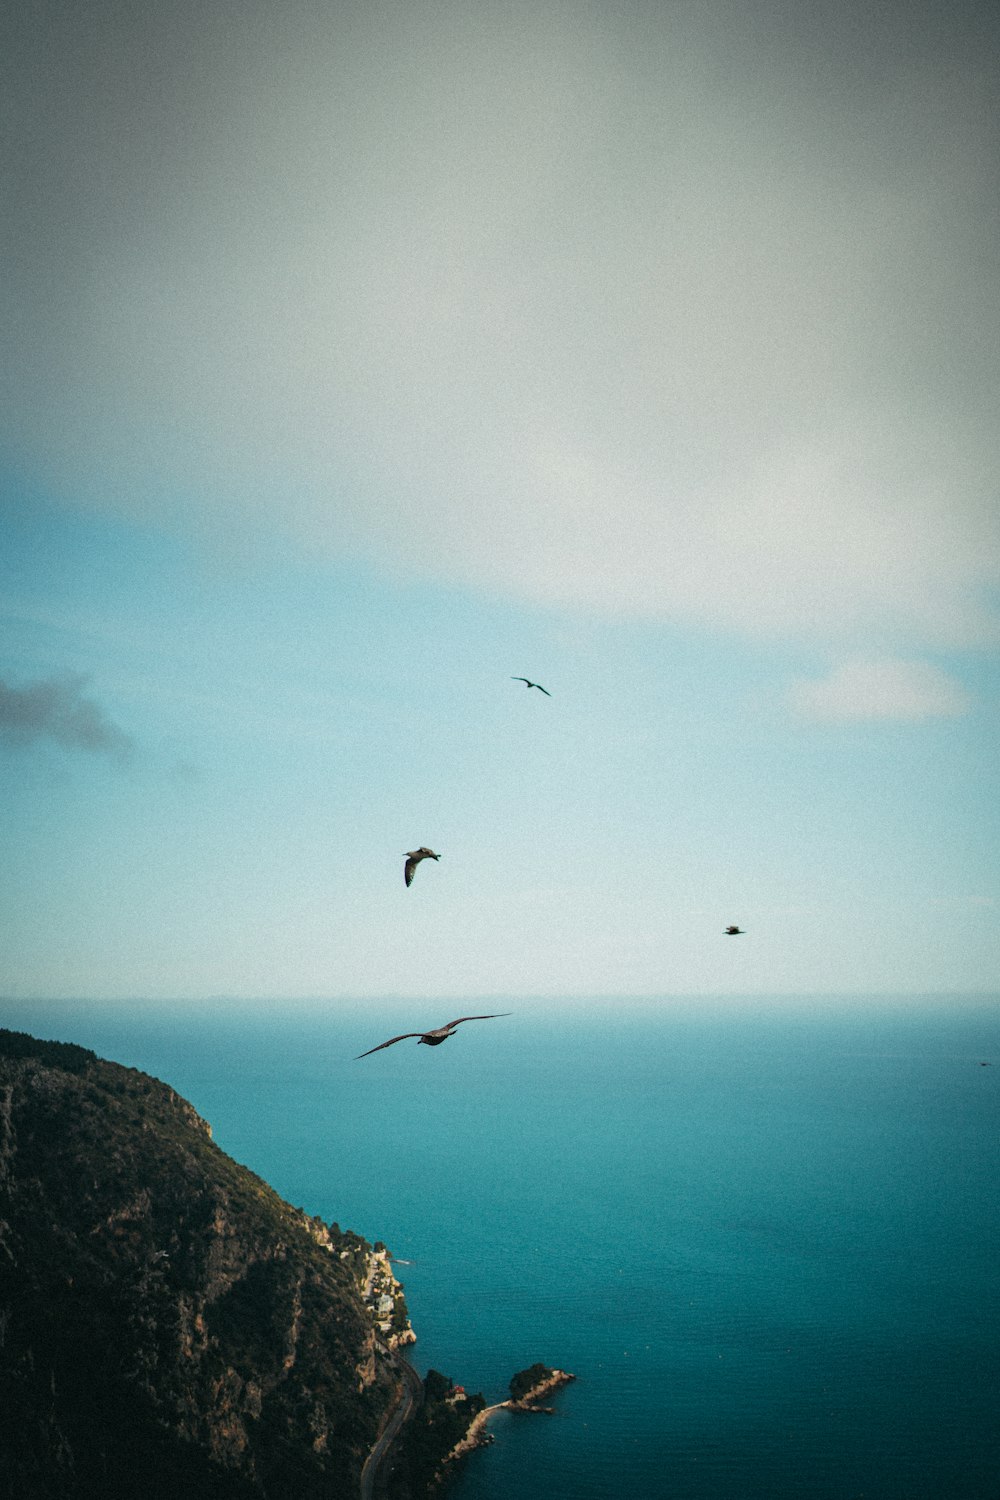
(411,1394)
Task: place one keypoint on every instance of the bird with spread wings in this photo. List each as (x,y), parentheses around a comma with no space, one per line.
(413,859)
(431,1038)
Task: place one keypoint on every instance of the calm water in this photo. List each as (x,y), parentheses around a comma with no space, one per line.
(763,1235)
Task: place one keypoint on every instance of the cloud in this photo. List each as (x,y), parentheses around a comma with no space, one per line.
(684,312)
(885,689)
(57,710)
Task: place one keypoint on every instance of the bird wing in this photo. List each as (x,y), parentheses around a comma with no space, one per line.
(408,869)
(389,1043)
(520,679)
(452,1024)
(538,685)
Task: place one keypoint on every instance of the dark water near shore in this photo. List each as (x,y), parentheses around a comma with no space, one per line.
(764,1235)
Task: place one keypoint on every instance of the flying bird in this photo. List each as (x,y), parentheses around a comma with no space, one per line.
(431,1038)
(733,931)
(537,685)
(413,859)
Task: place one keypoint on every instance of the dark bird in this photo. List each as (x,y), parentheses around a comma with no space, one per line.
(413,859)
(537,685)
(733,931)
(986,1065)
(431,1038)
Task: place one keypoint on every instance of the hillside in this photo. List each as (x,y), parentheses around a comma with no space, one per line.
(170,1327)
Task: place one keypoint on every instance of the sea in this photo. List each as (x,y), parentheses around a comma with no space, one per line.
(762,1232)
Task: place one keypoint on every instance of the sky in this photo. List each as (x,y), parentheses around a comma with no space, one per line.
(361,358)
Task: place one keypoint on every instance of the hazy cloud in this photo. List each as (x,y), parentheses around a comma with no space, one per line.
(682,311)
(56,709)
(886,689)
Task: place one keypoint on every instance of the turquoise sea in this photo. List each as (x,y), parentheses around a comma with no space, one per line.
(762,1233)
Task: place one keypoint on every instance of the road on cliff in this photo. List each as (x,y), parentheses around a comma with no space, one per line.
(409,1397)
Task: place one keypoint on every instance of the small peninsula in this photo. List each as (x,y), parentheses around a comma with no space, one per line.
(528,1387)
(527,1390)
(171,1327)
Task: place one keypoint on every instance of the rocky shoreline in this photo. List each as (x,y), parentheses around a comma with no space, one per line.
(478,1435)
(171,1326)
(554,1380)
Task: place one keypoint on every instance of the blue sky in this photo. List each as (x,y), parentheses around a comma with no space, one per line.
(356,369)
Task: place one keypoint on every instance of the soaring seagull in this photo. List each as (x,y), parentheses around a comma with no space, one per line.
(413,859)
(431,1038)
(733,931)
(537,685)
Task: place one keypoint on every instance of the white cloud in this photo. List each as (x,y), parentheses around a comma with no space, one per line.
(649,316)
(885,689)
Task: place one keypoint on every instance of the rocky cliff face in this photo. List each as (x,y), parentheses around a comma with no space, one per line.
(168,1326)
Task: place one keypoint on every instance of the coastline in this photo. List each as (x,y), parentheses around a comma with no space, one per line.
(478,1435)
(554,1381)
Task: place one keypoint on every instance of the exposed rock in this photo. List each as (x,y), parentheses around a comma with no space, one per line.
(169,1326)
(447,1423)
(531,1385)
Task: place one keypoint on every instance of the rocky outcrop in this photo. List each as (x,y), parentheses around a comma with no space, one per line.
(532,1386)
(541,1382)
(169,1326)
(447,1422)
(476,1436)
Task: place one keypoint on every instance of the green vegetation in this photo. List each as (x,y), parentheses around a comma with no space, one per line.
(441,1422)
(437,1387)
(172,1327)
(526,1380)
(65,1055)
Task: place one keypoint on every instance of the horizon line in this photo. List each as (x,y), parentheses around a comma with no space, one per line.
(221,998)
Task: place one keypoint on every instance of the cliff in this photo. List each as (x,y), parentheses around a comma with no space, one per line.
(168,1325)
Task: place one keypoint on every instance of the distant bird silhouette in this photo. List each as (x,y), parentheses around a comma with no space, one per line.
(986,1065)
(537,685)
(413,859)
(733,931)
(431,1038)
